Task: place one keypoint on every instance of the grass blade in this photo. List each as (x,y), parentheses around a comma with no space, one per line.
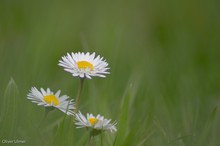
(123,121)
(9,111)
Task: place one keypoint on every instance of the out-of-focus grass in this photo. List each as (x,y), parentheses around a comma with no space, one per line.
(167,50)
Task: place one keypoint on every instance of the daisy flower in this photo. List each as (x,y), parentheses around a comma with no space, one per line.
(84,65)
(47,98)
(98,123)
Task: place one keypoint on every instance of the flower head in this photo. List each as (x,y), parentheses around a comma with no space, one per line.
(97,123)
(84,65)
(47,98)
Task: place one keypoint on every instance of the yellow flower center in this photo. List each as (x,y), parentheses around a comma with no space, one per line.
(92,121)
(84,65)
(51,99)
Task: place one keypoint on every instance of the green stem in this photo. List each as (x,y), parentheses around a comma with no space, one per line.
(47,110)
(101,138)
(89,143)
(79,94)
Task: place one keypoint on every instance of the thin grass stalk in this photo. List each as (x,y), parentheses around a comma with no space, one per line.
(79,94)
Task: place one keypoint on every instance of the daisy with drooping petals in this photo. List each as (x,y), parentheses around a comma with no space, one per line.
(84,65)
(98,123)
(47,98)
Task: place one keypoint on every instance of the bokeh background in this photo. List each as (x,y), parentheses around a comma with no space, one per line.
(164,86)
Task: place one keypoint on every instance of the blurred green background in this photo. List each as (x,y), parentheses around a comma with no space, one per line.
(164,86)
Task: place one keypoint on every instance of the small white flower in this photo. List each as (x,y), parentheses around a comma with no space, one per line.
(97,123)
(84,65)
(47,98)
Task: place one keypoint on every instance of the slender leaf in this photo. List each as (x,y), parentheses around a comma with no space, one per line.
(9,110)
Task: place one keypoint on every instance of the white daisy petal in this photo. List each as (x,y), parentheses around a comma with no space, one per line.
(84,65)
(42,91)
(58,93)
(47,99)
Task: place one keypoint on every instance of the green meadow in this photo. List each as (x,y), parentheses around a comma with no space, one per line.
(164,83)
